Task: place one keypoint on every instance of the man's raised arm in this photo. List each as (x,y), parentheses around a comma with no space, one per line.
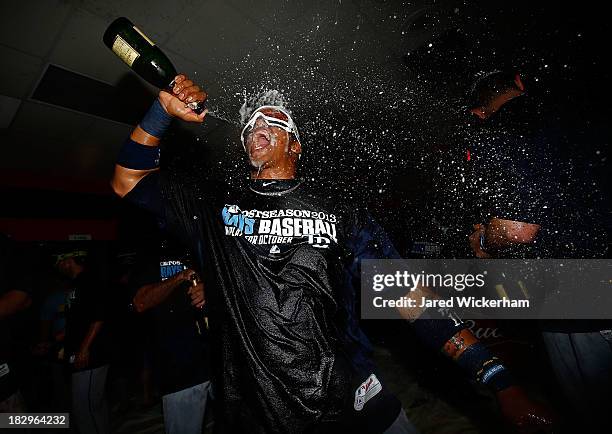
(140,153)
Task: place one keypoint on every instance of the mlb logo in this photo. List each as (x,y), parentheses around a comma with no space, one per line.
(4,369)
(367,391)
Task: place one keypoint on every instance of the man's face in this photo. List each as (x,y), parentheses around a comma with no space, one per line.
(268,146)
(65,266)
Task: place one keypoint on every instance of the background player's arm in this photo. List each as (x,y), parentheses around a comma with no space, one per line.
(153,294)
(82,357)
(448,334)
(140,155)
(465,349)
(502,234)
(13,302)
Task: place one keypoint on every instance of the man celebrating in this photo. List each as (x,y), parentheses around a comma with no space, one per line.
(515,203)
(86,345)
(278,260)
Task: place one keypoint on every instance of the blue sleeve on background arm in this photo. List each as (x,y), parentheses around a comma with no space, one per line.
(370,241)
(435,327)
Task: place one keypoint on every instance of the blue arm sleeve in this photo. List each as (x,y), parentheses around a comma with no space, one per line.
(370,241)
(435,327)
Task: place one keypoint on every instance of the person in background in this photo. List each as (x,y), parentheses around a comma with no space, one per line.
(50,348)
(86,343)
(130,359)
(14,297)
(53,321)
(168,294)
(534,206)
(508,201)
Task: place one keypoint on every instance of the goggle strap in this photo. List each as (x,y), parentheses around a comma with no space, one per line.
(288,126)
(269,120)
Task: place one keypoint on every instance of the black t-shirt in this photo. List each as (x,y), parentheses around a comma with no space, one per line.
(278,263)
(493,168)
(86,304)
(511,174)
(511,166)
(179,346)
(11,279)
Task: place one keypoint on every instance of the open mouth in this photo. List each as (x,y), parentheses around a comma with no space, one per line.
(261,139)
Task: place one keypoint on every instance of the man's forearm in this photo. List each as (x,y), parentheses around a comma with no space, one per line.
(501,234)
(13,302)
(139,155)
(149,296)
(447,333)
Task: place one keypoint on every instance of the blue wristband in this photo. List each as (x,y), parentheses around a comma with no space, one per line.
(133,155)
(483,366)
(156,121)
(497,377)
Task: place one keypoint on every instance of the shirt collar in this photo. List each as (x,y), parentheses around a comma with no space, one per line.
(274,187)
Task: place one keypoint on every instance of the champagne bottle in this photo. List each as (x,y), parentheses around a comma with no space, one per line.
(143,56)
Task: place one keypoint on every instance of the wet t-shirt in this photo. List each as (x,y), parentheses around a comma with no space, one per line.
(279,262)
(518,171)
(493,168)
(509,173)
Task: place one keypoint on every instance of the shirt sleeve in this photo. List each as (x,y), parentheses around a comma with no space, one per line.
(368,240)
(146,194)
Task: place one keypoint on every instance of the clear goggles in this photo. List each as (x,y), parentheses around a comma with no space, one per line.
(280,118)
